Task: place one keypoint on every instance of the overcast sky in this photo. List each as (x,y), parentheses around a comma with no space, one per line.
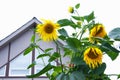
(15,13)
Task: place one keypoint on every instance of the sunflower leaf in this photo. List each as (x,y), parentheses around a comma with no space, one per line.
(77,5)
(110,51)
(42,55)
(63,32)
(77,75)
(78,18)
(60,76)
(67,22)
(73,44)
(44,70)
(33,39)
(54,56)
(89,17)
(64,22)
(115,34)
(118,76)
(31,65)
(49,49)
(99,70)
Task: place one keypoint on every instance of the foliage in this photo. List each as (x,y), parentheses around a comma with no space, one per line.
(74,48)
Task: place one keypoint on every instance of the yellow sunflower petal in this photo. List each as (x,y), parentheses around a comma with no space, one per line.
(98,30)
(93,57)
(48,30)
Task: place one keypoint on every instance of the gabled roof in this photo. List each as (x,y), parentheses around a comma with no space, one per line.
(25,27)
(21,30)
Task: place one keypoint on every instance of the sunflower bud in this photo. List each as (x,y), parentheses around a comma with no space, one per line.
(70,9)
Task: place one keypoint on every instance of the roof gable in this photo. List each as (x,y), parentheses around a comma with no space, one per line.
(25,27)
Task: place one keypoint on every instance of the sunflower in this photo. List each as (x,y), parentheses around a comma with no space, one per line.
(48,30)
(98,30)
(70,9)
(93,57)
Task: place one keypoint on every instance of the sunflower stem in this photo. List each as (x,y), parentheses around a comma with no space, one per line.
(60,55)
(77,12)
(43,59)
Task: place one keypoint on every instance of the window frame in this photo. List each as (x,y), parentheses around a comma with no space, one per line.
(7,70)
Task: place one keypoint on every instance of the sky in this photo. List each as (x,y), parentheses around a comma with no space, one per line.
(15,13)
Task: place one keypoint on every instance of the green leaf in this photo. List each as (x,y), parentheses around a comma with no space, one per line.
(73,25)
(28,50)
(66,77)
(112,55)
(33,39)
(43,71)
(73,44)
(115,34)
(64,22)
(78,18)
(60,76)
(31,65)
(49,49)
(62,37)
(43,55)
(118,76)
(77,75)
(54,56)
(77,5)
(107,47)
(99,70)
(89,17)
(77,61)
(58,69)
(63,32)
(111,51)
(67,52)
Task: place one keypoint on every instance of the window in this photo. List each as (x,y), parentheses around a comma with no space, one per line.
(41,62)
(2,71)
(18,67)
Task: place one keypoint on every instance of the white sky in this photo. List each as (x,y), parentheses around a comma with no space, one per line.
(15,13)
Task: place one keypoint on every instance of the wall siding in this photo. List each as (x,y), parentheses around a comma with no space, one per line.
(44,45)
(20,44)
(4,55)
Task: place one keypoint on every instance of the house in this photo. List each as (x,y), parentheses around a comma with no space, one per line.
(13,64)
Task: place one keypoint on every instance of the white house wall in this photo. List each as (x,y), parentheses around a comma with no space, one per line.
(15,44)
(4,55)
(20,44)
(45,45)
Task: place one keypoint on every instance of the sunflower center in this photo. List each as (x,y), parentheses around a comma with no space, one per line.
(92,54)
(49,28)
(99,31)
